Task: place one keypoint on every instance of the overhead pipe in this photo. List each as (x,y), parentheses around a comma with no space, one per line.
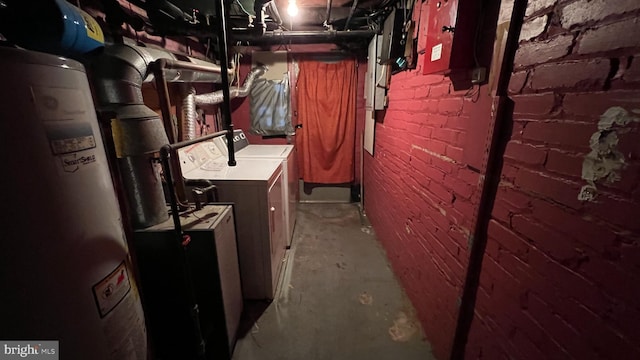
(353,9)
(303,37)
(217,97)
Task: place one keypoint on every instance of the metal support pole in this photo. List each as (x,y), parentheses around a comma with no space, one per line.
(226,103)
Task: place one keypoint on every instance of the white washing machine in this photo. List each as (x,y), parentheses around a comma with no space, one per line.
(287,154)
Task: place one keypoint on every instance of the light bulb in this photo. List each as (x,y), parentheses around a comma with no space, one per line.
(292,9)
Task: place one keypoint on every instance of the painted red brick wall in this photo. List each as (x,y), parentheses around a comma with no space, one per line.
(421,198)
(422,186)
(560,276)
(421,194)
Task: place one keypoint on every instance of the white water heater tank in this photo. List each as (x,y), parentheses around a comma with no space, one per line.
(65,272)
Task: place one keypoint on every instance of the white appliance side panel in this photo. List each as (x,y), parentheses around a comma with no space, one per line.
(278,228)
(228,265)
(252,220)
(292,194)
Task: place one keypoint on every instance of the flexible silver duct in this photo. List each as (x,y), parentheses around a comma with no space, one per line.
(189,115)
(216,97)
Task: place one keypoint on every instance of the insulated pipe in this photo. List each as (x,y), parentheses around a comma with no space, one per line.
(302,37)
(217,97)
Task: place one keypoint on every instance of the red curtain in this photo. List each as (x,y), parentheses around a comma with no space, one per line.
(326,99)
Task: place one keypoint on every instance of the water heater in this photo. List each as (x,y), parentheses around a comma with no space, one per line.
(65,269)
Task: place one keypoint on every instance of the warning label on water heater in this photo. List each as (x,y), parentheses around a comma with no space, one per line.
(70,136)
(112,289)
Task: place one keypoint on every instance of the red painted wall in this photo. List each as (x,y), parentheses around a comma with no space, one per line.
(421,197)
(560,276)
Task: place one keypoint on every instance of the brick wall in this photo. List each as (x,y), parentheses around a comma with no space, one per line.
(421,191)
(421,219)
(560,275)
(421,197)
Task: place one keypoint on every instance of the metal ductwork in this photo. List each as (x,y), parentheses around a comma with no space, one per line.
(122,68)
(217,97)
(138,132)
(190,100)
(188,116)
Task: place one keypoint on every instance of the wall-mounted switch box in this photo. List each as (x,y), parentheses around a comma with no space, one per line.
(450,36)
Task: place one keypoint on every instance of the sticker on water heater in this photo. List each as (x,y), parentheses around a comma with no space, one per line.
(436,52)
(70,136)
(57,104)
(73,162)
(109,291)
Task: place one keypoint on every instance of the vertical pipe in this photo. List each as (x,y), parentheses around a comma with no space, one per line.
(164,99)
(353,9)
(226,103)
(182,240)
(501,112)
(328,17)
(158,67)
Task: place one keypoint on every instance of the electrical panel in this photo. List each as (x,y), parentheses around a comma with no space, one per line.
(376,80)
(451,31)
(393,37)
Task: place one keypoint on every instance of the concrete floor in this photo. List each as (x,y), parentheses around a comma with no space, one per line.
(337,298)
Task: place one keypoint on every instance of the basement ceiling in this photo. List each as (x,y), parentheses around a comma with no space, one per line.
(318,21)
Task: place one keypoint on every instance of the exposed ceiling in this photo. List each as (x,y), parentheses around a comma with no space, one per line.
(349,24)
(343,22)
